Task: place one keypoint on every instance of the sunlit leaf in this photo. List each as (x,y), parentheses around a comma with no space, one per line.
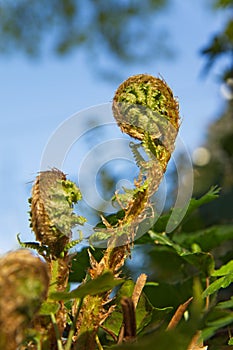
(225,304)
(209,196)
(47,308)
(161,223)
(99,285)
(222,282)
(207,238)
(153,284)
(163,239)
(203,261)
(224,270)
(217,319)
(148,317)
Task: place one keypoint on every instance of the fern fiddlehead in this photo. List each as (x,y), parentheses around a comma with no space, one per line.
(145,104)
(145,109)
(51,214)
(24,283)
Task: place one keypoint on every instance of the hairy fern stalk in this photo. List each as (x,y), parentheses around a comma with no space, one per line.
(144,108)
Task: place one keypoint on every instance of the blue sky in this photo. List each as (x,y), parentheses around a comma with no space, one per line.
(37,96)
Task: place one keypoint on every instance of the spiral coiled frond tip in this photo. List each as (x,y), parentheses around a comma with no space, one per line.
(145,104)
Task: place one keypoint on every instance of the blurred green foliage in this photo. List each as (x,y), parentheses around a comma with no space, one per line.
(221,43)
(219,168)
(117,28)
(183,264)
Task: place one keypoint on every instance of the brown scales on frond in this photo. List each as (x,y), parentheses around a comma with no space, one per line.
(154,94)
(45,230)
(24,283)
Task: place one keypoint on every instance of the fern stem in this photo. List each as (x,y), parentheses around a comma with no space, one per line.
(58,336)
(73,326)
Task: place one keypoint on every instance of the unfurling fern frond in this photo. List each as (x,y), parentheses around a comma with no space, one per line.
(51,215)
(144,108)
